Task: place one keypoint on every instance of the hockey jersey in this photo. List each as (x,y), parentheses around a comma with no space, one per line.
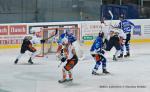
(35,40)
(71,38)
(97,45)
(126,26)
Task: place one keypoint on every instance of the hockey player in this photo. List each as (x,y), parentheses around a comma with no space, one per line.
(126,26)
(71,59)
(26,45)
(72,39)
(122,37)
(105,30)
(114,41)
(68,35)
(98,54)
(35,38)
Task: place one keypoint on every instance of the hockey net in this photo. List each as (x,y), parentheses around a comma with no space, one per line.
(51,38)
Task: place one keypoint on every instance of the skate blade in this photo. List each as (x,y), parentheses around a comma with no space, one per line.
(101,74)
(64,81)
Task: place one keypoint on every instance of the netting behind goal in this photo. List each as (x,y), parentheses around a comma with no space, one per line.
(50,45)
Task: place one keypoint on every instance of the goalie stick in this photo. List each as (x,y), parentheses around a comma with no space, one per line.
(56,32)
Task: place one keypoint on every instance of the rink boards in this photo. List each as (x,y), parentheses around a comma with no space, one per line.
(11,35)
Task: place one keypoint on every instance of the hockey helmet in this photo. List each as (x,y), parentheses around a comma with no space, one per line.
(64,41)
(101,34)
(122,16)
(116,31)
(28,37)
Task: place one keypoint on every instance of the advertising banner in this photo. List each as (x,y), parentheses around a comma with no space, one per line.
(3,30)
(12,34)
(90,30)
(17,29)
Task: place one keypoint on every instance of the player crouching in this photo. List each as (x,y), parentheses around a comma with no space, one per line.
(98,54)
(114,41)
(26,45)
(71,59)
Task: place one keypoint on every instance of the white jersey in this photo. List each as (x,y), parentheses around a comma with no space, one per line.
(35,40)
(77,47)
(105,30)
(122,34)
(109,34)
(70,54)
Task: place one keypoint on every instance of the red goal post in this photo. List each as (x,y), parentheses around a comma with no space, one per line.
(51,38)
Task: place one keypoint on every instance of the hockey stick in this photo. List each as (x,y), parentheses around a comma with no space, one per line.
(43,41)
(109,11)
(60,64)
(56,32)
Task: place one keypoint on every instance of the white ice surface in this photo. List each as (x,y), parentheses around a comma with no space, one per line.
(43,76)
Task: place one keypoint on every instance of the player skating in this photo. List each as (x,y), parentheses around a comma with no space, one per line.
(70,37)
(122,37)
(26,46)
(126,26)
(114,41)
(110,38)
(71,59)
(67,35)
(36,39)
(73,40)
(98,54)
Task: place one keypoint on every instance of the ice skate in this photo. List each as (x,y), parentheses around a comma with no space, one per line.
(64,80)
(16,61)
(114,58)
(95,73)
(105,71)
(127,55)
(121,56)
(30,61)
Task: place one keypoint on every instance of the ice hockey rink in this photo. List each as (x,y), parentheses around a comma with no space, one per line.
(127,75)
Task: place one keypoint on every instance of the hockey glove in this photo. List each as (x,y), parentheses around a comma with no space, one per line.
(42,41)
(101,51)
(63,59)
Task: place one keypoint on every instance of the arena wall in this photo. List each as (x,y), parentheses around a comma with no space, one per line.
(11,35)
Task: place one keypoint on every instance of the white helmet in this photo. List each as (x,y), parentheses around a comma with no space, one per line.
(28,37)
(116,31)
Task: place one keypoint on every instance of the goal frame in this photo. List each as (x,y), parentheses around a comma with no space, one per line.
(53,29)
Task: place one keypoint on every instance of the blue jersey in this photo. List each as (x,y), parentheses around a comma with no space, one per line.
(97,45)
(71,38)
(126,26)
